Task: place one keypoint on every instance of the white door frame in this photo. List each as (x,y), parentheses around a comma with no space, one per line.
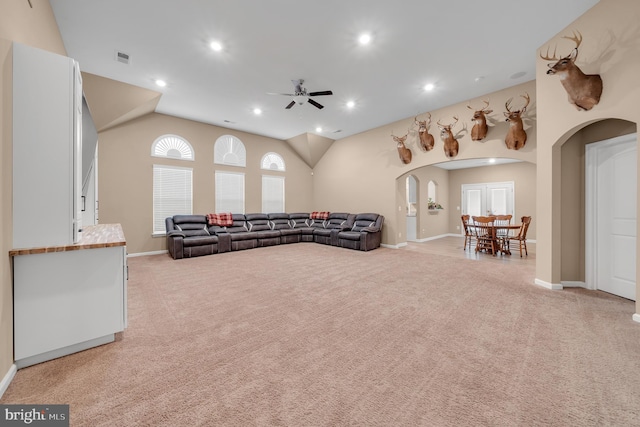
(590,204)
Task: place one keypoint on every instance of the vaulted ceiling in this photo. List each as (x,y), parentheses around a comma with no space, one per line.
(465,49)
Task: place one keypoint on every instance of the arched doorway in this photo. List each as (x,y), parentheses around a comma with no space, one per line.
(574,244)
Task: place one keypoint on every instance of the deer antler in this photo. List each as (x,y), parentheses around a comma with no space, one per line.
(429,119)
(506,104)
(528,98)
(577,39)
(525,96)
(486,104)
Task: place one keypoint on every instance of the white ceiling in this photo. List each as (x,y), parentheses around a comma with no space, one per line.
(269,43)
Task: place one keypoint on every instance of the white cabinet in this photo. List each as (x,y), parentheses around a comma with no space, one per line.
(47,131)
(68,299)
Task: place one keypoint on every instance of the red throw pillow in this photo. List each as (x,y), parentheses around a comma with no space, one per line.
(221,219)
(319,215)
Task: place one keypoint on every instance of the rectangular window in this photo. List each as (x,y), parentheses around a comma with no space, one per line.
(172,194)
(229,187)
(272,194)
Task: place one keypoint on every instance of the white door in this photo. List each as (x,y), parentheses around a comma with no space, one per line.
(494,198)
(611,216)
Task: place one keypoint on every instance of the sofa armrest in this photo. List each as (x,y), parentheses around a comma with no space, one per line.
(370,229)
(175,244)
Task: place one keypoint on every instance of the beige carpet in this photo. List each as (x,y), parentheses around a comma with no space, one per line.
(312,335)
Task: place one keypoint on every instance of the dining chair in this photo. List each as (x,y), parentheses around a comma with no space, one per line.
(468,232)
(502,234)
(521,238)
(484,232)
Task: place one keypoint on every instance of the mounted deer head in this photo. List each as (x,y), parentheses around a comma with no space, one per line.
(403,152)
(451,145)
(426,139)
(584,90)
(516,136)
(480,128)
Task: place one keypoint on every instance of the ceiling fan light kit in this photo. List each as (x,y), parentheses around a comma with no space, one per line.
(301,96)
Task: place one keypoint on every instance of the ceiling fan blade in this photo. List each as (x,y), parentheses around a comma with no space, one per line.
(286,94)
(322,92)
(315,104)
(291,104)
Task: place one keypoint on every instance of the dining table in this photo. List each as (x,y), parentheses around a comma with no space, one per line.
(498,246)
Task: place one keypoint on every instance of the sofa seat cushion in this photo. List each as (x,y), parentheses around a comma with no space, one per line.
(290,231)
(249,235)
(195,233)
(197,241)
(349,235)
(322,231)
(268,234)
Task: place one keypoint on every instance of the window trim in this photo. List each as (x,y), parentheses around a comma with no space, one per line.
(169,135)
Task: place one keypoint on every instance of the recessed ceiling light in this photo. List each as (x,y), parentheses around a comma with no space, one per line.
(161,83)
(364,38)
(257,111)
(351,104)
(215,46)
(429,86)
(477,79)
(318,129)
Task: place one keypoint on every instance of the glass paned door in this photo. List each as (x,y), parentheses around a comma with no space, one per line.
(488,199)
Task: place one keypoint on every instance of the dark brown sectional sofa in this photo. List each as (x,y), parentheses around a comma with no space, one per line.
(191,235)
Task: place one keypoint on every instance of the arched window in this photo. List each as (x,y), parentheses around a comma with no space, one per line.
(272,161)
(229,150)
(172,147)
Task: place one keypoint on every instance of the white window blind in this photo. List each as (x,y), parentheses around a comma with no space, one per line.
(272,194)
(272,161)
(229,150)
(172,147)
(172,194)
(229,192)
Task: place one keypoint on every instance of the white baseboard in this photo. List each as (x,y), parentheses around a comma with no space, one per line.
(398,246)
(4,384)
(573,284)
(635,317)
(426,239)
(147,253)
(552,286)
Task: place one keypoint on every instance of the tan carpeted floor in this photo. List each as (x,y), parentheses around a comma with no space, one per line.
(312,335)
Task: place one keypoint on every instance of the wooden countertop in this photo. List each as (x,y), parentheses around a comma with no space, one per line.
(93,237)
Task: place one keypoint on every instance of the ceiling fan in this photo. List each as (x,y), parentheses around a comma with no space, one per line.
(300,96)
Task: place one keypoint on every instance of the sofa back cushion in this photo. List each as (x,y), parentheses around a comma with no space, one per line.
(239,224)
(338,220)
(364,220)
(257,222)
(299,220)
(279,221)
(191,225)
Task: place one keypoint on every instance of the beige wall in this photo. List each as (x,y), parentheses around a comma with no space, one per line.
(611,48)
(360,173)
(522,174)
(125,168)
(430,223)
(35,27)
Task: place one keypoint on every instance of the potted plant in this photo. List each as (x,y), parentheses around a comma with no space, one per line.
(433,205)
